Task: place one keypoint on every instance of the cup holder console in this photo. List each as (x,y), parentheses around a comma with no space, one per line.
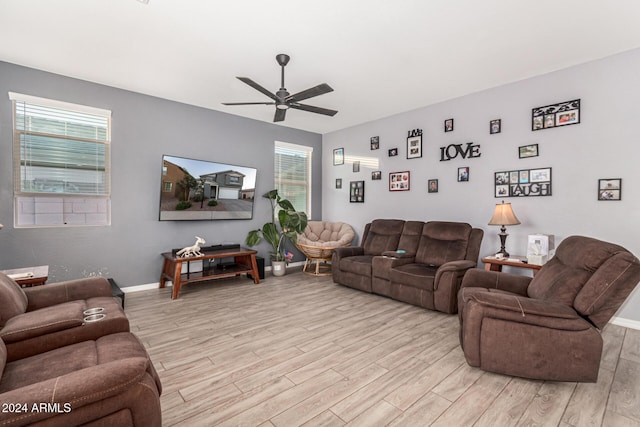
(91,311)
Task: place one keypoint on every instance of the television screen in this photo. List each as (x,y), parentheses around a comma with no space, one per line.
(203,190)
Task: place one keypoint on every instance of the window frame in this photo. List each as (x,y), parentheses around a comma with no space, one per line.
(305,150)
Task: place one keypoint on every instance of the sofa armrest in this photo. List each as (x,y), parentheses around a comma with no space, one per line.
(458,267)
(517,308)
(71,290)
(348,251)
(73,391)
(495,280)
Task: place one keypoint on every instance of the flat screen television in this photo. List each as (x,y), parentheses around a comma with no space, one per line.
(192,190)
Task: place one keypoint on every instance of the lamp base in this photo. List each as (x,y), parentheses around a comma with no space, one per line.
(503,239)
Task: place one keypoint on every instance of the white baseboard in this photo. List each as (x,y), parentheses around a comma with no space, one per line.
(627,323)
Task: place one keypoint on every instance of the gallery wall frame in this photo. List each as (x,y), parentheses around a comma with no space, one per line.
(400,181)
(356,192)
(610,189)
(393,152)
(495,126)
(338,156)
(432,186)
(463,174)
(555,115)
(338,183)
(523,183)
(375,142)
(376,175)
(448,125)
(414,144)
(526,151)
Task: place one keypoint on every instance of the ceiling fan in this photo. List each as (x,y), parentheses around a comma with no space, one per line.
(283,100)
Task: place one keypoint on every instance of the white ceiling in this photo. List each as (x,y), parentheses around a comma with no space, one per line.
(381,57)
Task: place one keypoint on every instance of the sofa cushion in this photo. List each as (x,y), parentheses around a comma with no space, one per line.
(419,276)
(44,321)
(360,264)
(12,299)
(383,235)
(442,242)
(410,238)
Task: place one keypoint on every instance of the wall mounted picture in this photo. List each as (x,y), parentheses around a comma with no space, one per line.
(463,174)
(338,183)
(523,183)
(375,142)
(356,166)
(432,186)
(495,126)
(393,152)
(356,192)
(414,144)
(338,156)
(448,125)
(376,175)
(528,151)
(610,189)
(555,115)
(399,181)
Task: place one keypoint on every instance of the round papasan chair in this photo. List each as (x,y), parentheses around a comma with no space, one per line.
(318,242)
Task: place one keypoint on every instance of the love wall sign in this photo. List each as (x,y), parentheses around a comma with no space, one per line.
(452,151)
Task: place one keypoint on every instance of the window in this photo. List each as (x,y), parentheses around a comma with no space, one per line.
(61,163)
(292,170)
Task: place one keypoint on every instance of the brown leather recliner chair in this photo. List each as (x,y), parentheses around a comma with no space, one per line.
(109,381)
(547,327)
(42,318)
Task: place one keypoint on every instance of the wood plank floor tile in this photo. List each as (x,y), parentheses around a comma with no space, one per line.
(299,350)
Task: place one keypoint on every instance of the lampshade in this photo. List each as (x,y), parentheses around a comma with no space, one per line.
(503,215)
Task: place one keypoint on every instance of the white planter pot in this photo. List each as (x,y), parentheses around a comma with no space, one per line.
(278,268)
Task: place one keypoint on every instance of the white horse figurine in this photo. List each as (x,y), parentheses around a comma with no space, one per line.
(191,250)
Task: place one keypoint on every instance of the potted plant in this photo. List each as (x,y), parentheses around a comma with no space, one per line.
(290,224)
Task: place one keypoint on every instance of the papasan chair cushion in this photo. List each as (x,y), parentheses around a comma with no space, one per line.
(319,240)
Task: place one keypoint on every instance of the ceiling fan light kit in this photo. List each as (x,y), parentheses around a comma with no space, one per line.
(282,99)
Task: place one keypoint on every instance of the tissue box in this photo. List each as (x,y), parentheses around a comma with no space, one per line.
(536,259)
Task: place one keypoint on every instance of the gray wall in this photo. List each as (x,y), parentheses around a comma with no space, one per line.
(603,145)
(143,129)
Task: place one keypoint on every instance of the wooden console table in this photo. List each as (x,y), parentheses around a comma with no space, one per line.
(244,260)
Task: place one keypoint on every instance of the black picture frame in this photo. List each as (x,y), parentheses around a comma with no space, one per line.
(338,183)
(356,192)
(356,165)
(495,126)
(432,186)
(448,125)
(555,115)
(393,152)
(338,156)
(463,174)
(375,142)
(376,175)
(610,189)
(526,151)
(523,183)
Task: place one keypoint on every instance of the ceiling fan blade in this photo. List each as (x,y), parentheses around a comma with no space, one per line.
(313,109)
(279,117)
(248,103)
(310,93)
(257,87)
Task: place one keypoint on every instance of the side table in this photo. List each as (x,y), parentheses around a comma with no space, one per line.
(29,276)
(494,264)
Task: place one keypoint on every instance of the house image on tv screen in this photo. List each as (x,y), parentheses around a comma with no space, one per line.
(223,185)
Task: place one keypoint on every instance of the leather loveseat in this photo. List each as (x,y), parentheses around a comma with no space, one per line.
(421,263)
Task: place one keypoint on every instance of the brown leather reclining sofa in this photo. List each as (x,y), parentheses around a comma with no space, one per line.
(59,368)
(427,271)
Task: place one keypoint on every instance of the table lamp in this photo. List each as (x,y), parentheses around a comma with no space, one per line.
(503,215)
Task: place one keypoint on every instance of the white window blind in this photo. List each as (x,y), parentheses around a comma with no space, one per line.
(61,162)
(292,170)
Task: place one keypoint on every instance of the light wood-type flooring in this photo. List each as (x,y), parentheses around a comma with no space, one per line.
(300,350)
